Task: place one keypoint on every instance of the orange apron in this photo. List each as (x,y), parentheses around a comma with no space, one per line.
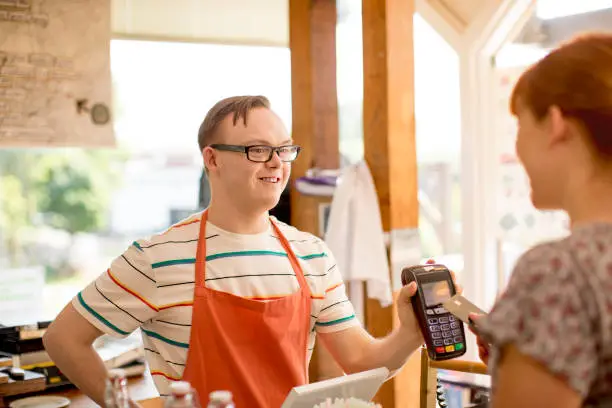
(255,349)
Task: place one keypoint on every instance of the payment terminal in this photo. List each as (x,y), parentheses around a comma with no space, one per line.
(443,333)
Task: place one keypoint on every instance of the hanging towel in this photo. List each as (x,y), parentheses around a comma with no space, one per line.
(355,235)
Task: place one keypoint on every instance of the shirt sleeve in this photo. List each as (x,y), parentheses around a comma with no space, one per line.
(337,312)
(121,299)
(543,313)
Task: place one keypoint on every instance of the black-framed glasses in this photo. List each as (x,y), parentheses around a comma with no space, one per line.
(262,153)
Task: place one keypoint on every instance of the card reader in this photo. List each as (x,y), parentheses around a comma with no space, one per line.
(443,333)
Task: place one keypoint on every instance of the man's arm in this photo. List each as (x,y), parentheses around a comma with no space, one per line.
(355,350)
(69,342)
(115,303)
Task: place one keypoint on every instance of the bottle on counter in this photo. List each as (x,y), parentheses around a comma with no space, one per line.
(116,394)
(221,399)
(182,396)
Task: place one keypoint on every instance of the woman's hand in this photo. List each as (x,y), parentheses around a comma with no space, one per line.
(483,346)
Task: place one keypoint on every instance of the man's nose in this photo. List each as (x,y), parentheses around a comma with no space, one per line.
(275,161)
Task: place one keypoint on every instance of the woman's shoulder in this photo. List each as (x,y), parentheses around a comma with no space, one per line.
(583,256)
(546,261)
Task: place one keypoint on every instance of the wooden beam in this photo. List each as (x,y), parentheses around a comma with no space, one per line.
(390,151)
(312,39)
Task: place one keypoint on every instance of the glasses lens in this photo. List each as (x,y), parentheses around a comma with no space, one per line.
(288,153)
(259,153)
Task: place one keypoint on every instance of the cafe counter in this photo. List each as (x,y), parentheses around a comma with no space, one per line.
(142,389)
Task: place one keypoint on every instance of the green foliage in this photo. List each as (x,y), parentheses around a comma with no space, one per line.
(68,189)
(14,214)
(74,189)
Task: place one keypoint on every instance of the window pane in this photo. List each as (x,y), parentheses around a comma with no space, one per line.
(349,60)
(438,133)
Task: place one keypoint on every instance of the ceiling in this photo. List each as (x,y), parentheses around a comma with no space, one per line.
(550,32)
(261,22)
(459,13)
(546,33)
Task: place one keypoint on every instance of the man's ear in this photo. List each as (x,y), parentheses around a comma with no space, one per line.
(210,159)
(556,125)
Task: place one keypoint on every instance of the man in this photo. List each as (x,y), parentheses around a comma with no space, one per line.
(229,298)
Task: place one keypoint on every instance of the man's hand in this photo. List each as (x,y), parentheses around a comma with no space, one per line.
(404,306)
(483,346)
(408,321)
(355,350)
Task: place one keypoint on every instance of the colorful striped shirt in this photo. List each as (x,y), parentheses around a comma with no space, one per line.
(150,286)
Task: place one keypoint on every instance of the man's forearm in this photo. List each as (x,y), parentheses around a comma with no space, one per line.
(391,351)
(82,365)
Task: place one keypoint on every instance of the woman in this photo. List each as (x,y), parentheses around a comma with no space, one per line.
(551,331)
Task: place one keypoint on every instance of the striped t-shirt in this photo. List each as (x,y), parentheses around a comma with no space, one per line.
(150,286)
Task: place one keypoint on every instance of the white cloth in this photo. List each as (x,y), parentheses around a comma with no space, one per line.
(355,235)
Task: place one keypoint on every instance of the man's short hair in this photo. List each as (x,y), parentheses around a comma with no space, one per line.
(238,106)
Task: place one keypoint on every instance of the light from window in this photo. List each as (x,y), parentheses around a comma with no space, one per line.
(549,9)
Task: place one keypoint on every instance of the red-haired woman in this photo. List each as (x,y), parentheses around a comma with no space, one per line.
(551,331)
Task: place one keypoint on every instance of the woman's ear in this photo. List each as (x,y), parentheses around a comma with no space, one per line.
(556,124)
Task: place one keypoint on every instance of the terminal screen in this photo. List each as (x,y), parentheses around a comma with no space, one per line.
(436,292)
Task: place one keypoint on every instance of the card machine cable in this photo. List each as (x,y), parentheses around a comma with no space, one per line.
(443,333)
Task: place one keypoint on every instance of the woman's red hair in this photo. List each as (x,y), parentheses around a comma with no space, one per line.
(577,78)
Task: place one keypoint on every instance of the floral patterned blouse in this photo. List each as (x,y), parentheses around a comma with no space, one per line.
(557,309)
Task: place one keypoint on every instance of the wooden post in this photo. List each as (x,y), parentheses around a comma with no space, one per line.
(390,151)
(312,39)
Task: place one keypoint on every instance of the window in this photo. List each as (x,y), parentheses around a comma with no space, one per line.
(438,133)
(519,224)
(438,125)
(66,213)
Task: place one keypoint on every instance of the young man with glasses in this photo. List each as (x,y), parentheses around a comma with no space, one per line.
(229,298)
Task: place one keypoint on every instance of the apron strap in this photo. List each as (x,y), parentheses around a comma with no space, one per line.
(200,264)
(295,264)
